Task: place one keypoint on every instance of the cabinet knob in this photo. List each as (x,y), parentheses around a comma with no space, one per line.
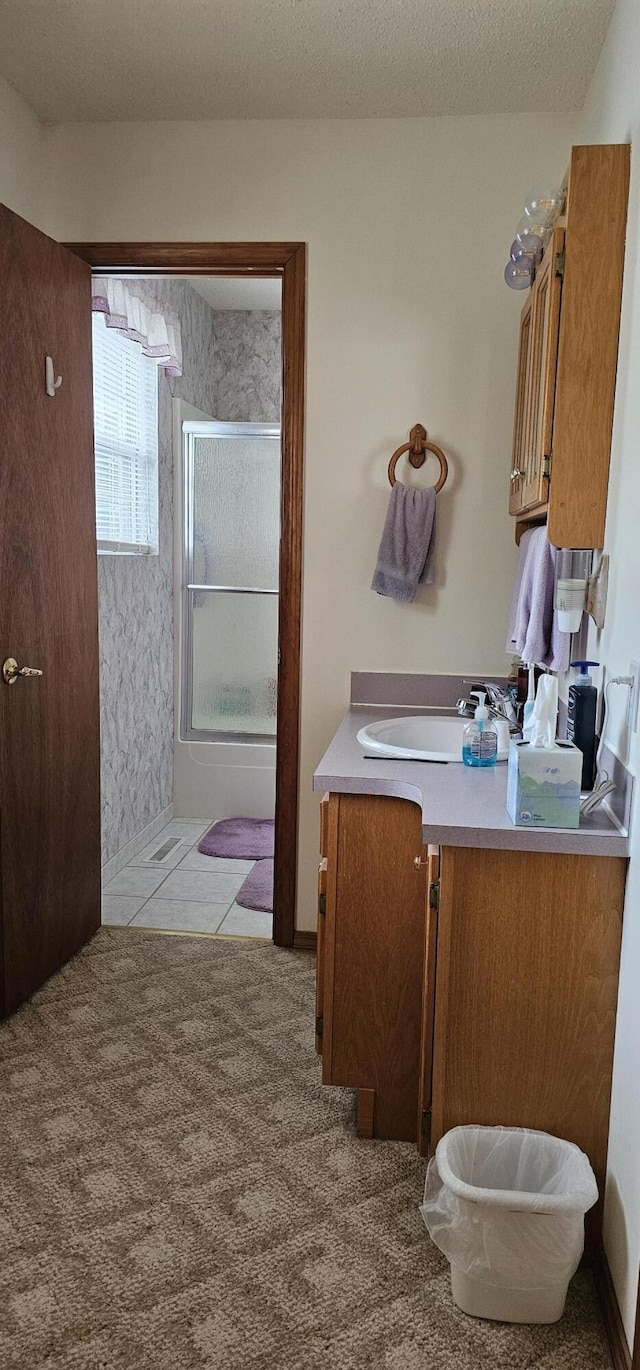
(516,474)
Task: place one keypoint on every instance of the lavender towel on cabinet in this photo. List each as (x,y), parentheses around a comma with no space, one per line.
(533,623)
(406,553)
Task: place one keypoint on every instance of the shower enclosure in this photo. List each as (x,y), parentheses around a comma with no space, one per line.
(231,512)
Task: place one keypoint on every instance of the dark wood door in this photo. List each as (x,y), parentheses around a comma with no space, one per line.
(49,724)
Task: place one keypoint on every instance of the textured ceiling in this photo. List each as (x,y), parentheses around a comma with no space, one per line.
(234,292)
(268,59)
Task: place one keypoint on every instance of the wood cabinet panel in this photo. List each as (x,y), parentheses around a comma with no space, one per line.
(588,350)
(546,323)
(536,386)
(324,825)
(425,1077)
(520,422)
(568,356)
(526,991)
(374,946)
(492,1002)
(321,920)
(320,951)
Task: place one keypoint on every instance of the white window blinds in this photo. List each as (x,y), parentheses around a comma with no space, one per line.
(125,407)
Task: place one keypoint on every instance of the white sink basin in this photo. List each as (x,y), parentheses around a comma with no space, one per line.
(426,737)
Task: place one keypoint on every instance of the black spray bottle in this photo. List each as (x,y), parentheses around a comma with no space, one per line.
(581,720)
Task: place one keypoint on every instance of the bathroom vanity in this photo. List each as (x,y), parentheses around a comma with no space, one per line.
(467,969)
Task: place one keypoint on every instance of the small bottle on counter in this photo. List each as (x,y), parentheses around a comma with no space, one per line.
(480,738)
(581,720)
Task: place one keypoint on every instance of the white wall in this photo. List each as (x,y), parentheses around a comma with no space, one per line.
(612,114)
(408,224)
(23,153)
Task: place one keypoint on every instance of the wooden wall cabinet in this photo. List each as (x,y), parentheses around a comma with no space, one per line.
(466,985)
(536,384)
(568,356)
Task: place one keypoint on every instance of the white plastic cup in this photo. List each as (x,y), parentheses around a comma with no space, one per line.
(570,600)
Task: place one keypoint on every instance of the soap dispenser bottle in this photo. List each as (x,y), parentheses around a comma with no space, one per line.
(581,720)
(480,738)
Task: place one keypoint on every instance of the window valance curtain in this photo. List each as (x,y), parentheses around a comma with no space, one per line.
(132,310)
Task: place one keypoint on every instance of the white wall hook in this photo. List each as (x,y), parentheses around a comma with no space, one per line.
(49,374)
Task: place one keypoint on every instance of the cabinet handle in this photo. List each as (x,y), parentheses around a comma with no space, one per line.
(516,474)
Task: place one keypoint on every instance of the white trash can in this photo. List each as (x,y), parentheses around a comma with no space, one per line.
(506,1206)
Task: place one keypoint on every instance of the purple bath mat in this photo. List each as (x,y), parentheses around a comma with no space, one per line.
(257,891)
(248,839)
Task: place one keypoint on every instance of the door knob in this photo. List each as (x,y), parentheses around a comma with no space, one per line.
(11,671)
(516,474)
(419,862)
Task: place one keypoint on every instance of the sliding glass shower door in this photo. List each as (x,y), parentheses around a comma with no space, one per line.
(231,497)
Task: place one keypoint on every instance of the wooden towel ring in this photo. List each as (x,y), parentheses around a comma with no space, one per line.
(417,447)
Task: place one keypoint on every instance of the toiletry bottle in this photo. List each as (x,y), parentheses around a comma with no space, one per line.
(581,720)
(513,679)
(480,738)
(529,703)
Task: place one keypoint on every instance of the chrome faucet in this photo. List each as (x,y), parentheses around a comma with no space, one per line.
(499,703)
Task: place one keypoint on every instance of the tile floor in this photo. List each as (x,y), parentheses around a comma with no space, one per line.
(184,891)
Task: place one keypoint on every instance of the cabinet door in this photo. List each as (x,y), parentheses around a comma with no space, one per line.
(526,988)
(520,431)
(322,920)
(536,385)
(428,1000)
(546,295)
(374,945)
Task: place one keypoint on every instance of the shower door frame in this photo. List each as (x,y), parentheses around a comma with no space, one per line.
(287,261)
(191,429)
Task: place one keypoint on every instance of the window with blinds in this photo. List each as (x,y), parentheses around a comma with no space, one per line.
(125,416)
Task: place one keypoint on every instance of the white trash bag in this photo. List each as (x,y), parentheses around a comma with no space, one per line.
(506,1207)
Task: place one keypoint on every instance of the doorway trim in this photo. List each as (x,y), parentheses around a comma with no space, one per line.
(288,262)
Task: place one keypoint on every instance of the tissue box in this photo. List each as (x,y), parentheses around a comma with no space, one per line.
(543,785)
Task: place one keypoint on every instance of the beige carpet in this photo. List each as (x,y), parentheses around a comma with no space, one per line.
(178,1191)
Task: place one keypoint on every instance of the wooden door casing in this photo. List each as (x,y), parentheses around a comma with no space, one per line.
(288,262)
(49,758)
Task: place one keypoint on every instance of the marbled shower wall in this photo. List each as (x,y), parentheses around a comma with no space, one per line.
(231,370)
(135,601)
(247,365)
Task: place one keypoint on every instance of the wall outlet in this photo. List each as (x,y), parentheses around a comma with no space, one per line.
(632,698)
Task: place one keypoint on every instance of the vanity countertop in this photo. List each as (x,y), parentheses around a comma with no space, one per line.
(461,806)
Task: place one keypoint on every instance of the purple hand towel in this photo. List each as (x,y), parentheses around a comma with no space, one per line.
(533,623)
(406,554)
